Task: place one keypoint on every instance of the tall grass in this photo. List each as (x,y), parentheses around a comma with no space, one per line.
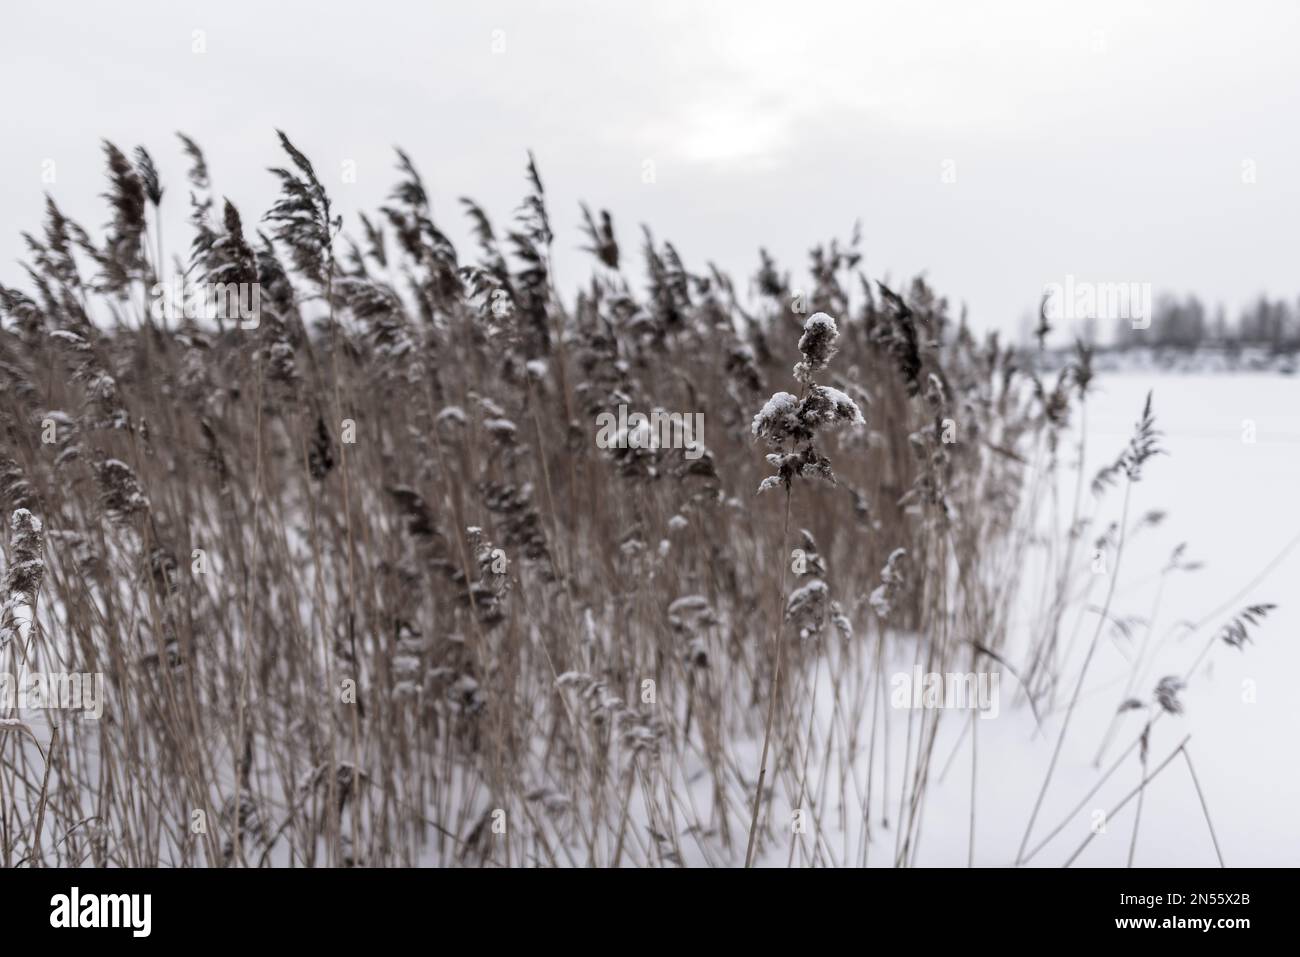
(365,590)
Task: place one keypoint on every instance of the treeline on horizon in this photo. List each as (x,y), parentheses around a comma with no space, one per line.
(1186,323)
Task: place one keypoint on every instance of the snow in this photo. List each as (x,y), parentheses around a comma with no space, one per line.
(687,604)
(1234,503)
(452,413)
(502,428)
(843,404)
(781,404)
(819,322)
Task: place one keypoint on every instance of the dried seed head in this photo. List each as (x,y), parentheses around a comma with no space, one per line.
(119,491)
(320,458)
(1237,632)
(777,419)
(824,406)
(26,563)
(1166,694)
(891,582)
(816,345)
(806,608)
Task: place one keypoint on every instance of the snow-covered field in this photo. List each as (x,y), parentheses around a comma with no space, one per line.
(1233,501)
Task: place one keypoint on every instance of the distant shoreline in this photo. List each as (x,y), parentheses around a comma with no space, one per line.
(1225,359)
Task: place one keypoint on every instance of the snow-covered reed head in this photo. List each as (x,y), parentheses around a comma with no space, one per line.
(26,564)
(119,491)
(786,418)
(778,419)
(23,575)
(816,345)
(891,583)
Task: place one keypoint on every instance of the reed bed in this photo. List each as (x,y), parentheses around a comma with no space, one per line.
(365,589)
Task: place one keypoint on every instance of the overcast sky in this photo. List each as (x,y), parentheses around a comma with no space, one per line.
(995,147)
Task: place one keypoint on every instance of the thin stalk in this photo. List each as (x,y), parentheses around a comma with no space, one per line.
(1131,794)
(776,687)
(1187,756)
(1083,673)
